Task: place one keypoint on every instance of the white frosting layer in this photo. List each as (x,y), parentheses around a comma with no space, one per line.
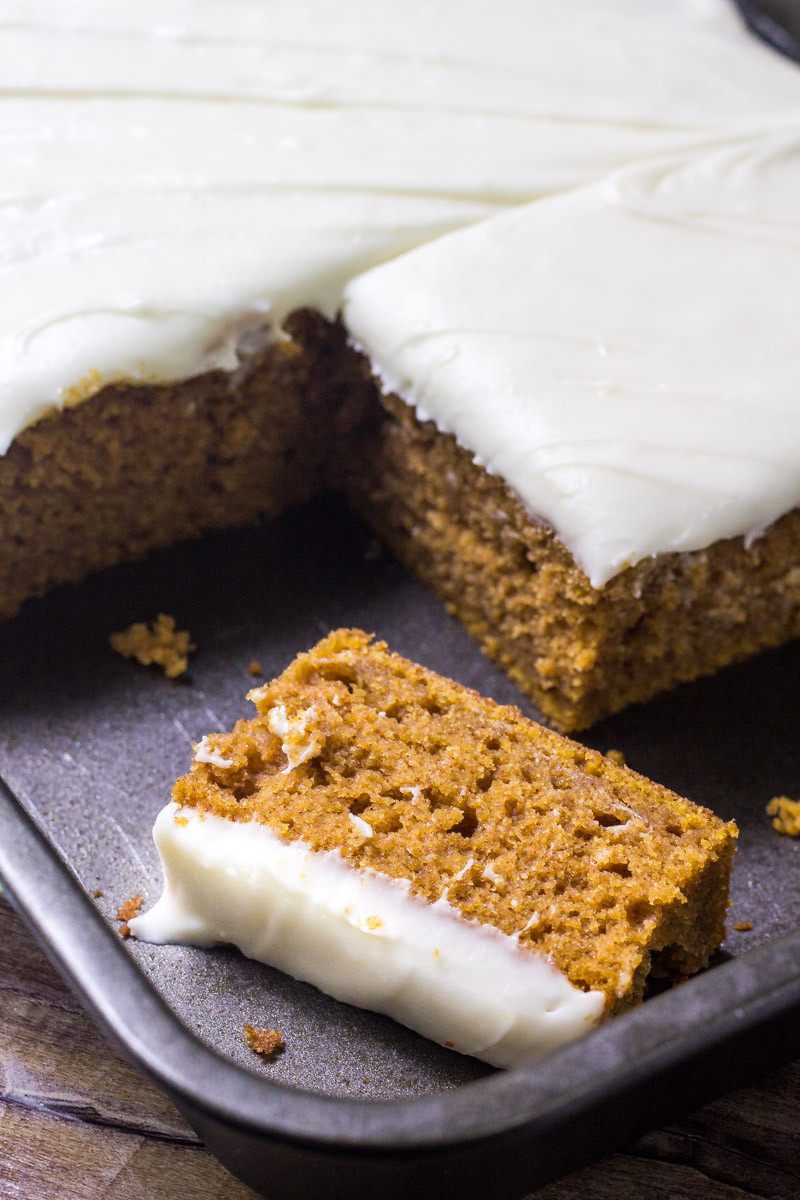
(625,355)
(361,937)
(175,170)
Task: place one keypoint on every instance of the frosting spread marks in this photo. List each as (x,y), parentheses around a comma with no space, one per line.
(625,355)
(176,172)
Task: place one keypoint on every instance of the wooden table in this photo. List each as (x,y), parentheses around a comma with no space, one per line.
(76,1123)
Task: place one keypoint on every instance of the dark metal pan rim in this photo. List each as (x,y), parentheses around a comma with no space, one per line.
(776,22)
(668,1030)
(679,1048)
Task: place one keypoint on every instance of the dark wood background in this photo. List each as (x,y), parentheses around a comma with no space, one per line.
(76,1123)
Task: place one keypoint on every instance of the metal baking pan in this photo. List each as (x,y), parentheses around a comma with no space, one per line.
(776,22)
(357,1105)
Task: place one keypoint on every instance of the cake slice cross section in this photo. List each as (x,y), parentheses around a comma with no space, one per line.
(412,847)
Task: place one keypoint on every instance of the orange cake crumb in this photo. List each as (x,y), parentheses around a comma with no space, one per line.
(160,645)
(743,926)
(408,774)
(96,894)
(130,909)
(785,815)
(263,1041)
(124,930)
(255,668)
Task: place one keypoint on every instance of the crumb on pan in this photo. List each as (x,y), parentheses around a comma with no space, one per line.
(263,1041)
(785,815)
(616,756)
(96,894)
(743,926)
(128,910)
(159,644)
(255,668)
(124,930)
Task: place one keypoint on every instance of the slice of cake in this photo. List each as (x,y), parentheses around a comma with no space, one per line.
(411,847)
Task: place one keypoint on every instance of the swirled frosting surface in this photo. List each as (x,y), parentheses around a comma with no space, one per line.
(173,172)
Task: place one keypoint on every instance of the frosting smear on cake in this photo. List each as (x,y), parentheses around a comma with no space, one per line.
(361,937)
(434,856)
(175,173)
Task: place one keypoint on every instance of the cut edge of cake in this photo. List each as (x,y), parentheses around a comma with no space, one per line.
(580,653)
(107,481)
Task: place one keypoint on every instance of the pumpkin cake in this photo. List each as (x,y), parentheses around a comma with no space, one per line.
(191,228)
(412,847)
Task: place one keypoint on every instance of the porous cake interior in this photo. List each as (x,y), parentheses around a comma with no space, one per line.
(579,652)
(406,773)
(133,467)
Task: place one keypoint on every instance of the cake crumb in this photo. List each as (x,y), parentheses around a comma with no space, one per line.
(160,645)
(130,909)
(743,926)
(255,667)
(287,346)
(124,930)
(96,894)
(89,385)
(616,756)
(263,1041)
(204,753)
(785,815)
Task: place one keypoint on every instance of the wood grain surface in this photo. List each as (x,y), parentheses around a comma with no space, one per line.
(76,1123)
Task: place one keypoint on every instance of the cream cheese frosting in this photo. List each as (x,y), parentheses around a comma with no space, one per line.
(176,171)
(361,937)
(626,355)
